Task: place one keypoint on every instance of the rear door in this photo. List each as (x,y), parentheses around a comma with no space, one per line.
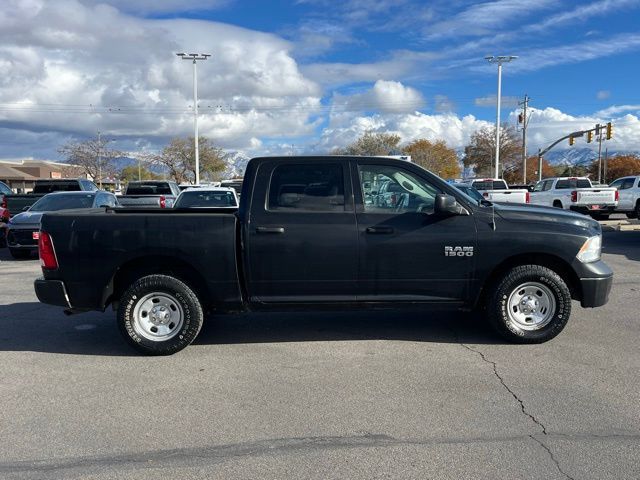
(301,237)
(627,197)
(407,253)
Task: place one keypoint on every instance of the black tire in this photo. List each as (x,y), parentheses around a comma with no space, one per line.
(631,215)
(557,204)
(497,306)
(19,254)
(600,216)
(184,299)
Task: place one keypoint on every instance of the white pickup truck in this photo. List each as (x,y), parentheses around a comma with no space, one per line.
(576,193)
(629,193)
(496,190)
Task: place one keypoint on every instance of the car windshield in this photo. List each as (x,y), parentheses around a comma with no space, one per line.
(205,199)
(470,192)
(51,203)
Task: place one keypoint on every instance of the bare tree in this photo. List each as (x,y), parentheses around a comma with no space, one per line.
(93,156)
(480,153)
(179,159)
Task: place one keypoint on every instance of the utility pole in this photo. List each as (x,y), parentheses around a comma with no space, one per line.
(606,160)
(194,57)
(525,122)
(99,161)
(499,60)
(599,133)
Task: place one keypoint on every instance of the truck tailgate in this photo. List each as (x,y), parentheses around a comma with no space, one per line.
(507,196)
(595,196)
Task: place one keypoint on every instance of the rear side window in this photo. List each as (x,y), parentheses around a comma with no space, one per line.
(572,183)
(300,187)
(627,183)
(489,185)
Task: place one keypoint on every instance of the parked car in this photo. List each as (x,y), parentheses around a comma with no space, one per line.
(17,203)
(207,197)
(497,190)
(150,194)
(629,195)
(322,246)
(23,230)
(577,194)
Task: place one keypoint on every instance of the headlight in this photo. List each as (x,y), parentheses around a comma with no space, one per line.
(590,251)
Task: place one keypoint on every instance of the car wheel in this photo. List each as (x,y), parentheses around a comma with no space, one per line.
(529,304)
(159,315)
(637,211)
(19,254)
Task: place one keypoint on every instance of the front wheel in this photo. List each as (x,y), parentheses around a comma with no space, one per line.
(529,304)
(159,315)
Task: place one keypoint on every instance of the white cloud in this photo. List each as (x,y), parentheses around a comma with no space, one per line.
(162,6)
(385,96)
(490,101)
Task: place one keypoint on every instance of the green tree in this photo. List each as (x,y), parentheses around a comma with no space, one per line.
(480,153)
(372,144)
(179,159)
(131,173)
(435,157)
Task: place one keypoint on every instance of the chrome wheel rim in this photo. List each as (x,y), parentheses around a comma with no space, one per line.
(531,306)
(158,316)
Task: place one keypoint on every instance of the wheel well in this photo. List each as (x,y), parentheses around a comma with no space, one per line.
(154,265)
(557,203)
(557,264)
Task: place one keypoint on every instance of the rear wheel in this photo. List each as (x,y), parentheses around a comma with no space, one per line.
(529,304)
(159,315)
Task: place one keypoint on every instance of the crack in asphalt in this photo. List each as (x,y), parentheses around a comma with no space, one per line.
(524,410)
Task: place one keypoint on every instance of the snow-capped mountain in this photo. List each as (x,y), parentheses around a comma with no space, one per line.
(236,165)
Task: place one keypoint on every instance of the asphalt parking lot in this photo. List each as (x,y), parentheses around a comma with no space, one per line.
(322,395)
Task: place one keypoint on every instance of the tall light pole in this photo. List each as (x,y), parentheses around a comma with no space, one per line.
(194,57)
(499,60)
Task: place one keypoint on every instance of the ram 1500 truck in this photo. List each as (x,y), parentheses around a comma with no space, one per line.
(304,238)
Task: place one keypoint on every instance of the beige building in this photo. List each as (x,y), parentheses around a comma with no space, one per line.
(20,174)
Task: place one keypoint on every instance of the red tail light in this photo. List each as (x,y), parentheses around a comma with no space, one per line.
(527,198)
(47,254)
(163,202)
(485,194)
(617,195)
(574,196)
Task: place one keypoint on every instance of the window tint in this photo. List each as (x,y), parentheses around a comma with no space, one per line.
(628,183)
(539,186)
(318,187)
(617,184)
(391,189)
(573,183)
(547,185)
(489,185)
(88,185)
(205,199)
(149,189)
(48,187)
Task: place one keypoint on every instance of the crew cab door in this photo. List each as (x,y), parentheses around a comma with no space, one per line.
(301,237)
(407,252)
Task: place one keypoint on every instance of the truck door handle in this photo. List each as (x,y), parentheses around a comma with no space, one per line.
(379,230)
(269,229)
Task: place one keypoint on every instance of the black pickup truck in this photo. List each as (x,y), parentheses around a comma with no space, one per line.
(307,235)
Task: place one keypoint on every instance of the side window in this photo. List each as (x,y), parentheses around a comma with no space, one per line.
(628,183)
(547,185)
(617,184)
(307,187)
(539,186)
(388,189)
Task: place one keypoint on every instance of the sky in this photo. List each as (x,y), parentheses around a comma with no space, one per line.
(307,76)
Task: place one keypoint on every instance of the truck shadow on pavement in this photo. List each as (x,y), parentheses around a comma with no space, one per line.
(36,327)
(626,243)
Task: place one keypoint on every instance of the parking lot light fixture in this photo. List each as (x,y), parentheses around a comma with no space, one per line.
(499,59)
(194,57)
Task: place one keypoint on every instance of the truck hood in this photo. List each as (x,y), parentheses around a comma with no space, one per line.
(27,218)
(536,213)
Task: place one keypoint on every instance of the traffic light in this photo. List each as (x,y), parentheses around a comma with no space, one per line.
(609,131)
(572,140)
(589,137)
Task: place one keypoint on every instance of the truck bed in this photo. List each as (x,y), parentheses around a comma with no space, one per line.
(202,244)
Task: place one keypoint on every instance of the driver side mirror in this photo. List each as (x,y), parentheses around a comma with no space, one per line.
(446,205)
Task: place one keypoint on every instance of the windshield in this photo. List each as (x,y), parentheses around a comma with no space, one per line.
(205,199)
(52,203)
(470,192)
